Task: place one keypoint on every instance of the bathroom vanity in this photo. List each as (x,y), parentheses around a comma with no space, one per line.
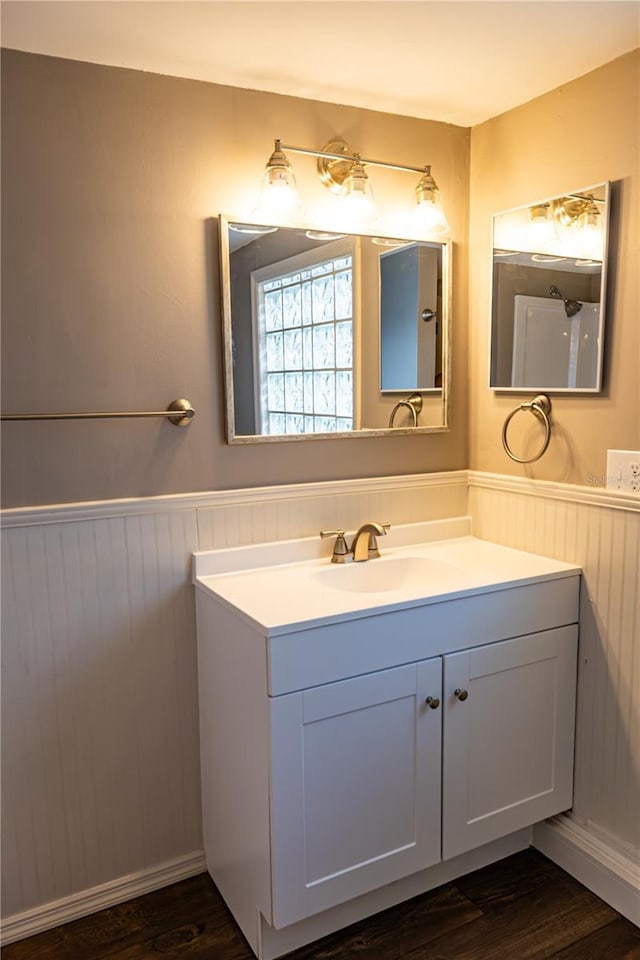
(372,730)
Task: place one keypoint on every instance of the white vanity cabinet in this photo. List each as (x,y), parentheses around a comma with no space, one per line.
(371,783)
(508,746)
(356,787)
(353,760)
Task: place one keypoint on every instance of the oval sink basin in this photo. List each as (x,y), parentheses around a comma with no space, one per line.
(386,574)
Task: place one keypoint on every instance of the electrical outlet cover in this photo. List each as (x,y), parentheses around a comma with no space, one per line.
(623,470)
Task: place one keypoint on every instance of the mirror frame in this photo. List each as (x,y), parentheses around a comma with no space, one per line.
(570,391)
(224,220)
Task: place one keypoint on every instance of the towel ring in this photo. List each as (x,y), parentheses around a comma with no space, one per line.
(413,404)
(541,407)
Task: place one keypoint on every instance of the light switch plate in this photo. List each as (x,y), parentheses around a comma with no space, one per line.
(623,470)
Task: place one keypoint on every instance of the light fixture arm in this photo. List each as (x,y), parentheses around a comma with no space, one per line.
(352,158)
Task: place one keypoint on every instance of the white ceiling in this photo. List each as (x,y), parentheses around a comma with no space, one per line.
(459,61)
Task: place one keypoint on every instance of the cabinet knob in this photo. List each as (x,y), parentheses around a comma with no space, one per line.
(461,694)
(432,702)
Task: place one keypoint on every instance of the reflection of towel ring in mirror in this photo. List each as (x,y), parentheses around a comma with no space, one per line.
(541,407)
(412,403)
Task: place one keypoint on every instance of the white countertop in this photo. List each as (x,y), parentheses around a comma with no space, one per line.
(279,588)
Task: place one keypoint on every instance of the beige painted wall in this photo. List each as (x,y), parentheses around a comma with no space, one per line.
(110,294)
(577,135)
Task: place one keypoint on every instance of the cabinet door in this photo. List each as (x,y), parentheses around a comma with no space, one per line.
(356,787)
(508,745)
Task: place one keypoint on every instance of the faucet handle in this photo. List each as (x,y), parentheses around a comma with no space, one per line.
(340,548)
(373,543)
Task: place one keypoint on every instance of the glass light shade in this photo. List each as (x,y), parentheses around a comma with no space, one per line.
(429,216)
(541,229)
(590,230)
(279,193)
(590,216)
(589,242)
(357,206)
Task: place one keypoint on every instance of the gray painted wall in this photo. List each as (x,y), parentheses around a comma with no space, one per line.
(110,280)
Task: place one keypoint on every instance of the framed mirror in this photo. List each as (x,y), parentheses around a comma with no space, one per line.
(548,293)
(332,335)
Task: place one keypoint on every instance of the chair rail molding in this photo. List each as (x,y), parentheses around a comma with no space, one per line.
(135,506)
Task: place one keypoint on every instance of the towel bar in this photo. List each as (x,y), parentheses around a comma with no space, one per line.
(179,412)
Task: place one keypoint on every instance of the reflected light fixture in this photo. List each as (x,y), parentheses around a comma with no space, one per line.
(541,228)
(591,234)
(343,173)
(581,224)
(589,218)
(569,226)
(251,228)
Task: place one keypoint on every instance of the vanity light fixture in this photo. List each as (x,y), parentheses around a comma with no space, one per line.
(343,173)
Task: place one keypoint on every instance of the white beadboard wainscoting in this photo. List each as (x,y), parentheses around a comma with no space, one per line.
(100,754)
(599,842)
(100,785)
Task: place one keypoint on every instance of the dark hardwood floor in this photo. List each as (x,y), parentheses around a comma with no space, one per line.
(523,908)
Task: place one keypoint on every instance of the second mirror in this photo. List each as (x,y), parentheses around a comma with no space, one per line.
(548,293)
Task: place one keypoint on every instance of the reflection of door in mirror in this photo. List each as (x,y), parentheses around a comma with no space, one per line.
(410,291)
(535,342)
(552,349)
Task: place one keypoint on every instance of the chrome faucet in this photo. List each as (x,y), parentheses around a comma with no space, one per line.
(364,545)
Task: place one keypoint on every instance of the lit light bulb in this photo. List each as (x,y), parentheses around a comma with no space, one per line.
(279,195)
(588,244)
(357,207)
(540,231)
(590,232)
(428,217)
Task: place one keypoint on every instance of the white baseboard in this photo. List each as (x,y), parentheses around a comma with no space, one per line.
(603,869)
(52,914)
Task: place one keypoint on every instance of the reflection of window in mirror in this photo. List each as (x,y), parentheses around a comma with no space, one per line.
(302,317)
